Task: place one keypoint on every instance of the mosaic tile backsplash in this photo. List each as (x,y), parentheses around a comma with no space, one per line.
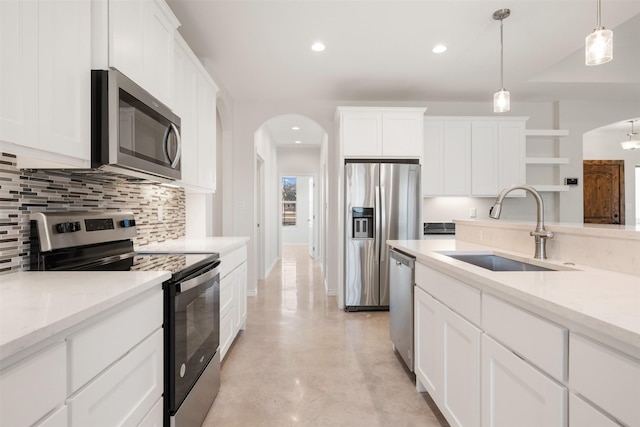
(23,192)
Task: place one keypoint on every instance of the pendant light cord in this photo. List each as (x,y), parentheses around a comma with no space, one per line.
(598,15)
(501,59)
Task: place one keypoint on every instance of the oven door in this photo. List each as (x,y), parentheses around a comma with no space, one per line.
(193,330)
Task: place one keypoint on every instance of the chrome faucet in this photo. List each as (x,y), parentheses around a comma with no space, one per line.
(541,235)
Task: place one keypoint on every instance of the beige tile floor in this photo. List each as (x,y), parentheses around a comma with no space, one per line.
(304,362)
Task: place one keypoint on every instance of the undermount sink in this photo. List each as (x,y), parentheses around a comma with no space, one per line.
(494,262)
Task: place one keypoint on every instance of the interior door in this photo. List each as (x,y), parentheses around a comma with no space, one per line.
(603,191)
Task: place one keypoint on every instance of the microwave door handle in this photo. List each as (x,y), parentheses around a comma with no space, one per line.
(172,128)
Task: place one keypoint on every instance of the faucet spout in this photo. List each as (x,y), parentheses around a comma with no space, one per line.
(540,234)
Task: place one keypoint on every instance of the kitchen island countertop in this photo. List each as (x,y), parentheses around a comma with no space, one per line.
(36,305)
(601,301)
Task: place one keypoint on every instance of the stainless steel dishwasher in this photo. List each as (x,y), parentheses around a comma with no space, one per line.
(401,281)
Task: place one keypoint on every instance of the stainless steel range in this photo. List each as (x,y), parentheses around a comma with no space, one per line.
(89,241)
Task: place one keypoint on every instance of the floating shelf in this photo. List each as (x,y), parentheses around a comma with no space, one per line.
(546,132)
(550,188)
(547,160)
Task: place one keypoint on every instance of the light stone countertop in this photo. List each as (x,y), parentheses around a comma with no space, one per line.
(205,245)
(602,301)
(36,305)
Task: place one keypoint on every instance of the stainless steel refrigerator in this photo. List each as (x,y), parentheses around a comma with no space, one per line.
(382,202)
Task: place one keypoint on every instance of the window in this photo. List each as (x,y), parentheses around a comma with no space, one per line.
(289,187)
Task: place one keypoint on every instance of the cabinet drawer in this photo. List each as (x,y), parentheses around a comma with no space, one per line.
(514,393)
(99,345)
(126,392)
(461,298)
(581,414)
(539,341)
(607,378)
(232,260)
(57,419)
(31,389)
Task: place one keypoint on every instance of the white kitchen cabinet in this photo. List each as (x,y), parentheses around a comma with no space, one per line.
(107,370)
(155,417)
(140,43)
(233,297)
(125,392)
(473,156)
(447,160)
(582,414)
(34,387)
(516,394)
(380,132)
(45,82)
(195,99)
(447,360)
(609,379)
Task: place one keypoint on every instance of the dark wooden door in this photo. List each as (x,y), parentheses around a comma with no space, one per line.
(603,191)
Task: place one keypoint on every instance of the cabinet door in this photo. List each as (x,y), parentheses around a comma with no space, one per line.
(484,158)
(516,394)
(402,134)
(511,155)
(461,370)
(64,77)
(427,339)
(158,51)
(361,133)
(125,392)
(582,414)
(19,72)
(241,296)
(432,162)
(206,134)
(187,105)
(457,158)
(127,26)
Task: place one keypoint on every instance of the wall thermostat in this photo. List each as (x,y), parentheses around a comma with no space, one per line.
(571,181)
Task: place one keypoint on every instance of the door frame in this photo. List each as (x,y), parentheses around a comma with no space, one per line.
(315,229)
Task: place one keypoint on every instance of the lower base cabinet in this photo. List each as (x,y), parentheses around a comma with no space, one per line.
(233,297)
(448,360)
(516,394)
(582,414)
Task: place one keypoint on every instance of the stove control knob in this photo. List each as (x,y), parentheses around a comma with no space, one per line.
(126,223)
(67,227)
(75,226)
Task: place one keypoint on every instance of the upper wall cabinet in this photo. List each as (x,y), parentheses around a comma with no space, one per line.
(136,37)
(195,102)
(473,156)
(380,132)
(45,82)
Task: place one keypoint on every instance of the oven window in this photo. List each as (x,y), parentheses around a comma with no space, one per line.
(200,322)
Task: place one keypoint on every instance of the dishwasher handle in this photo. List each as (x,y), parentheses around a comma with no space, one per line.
(402,259)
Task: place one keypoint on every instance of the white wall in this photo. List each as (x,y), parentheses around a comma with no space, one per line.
(605,145)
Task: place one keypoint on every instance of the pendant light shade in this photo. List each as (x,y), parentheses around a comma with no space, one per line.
(598,47)
(501,99)
(633,142)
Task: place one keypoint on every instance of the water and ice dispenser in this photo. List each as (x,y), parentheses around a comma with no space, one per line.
(362,226)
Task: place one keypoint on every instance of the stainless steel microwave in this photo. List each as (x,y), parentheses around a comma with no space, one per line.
(132,133)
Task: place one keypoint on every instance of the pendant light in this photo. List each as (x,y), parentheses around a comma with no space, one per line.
(501,99)
(633,142)
(598,47)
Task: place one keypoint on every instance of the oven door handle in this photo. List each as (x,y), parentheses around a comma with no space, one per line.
(199,280)
(102,261)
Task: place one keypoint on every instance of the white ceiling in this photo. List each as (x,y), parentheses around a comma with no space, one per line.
(381,50)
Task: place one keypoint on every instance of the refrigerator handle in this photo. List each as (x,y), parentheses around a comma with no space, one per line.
(383,222)
(376,238)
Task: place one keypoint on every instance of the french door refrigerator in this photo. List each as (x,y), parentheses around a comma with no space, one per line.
(382,202)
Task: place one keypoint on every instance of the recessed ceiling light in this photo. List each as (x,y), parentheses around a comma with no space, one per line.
(439,48)
(318,47)
(298,142)
(295,128)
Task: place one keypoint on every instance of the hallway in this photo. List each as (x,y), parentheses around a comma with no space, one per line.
(304,362)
